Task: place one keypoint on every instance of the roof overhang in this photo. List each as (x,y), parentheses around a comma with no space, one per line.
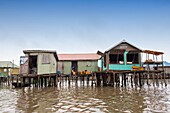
(41,51)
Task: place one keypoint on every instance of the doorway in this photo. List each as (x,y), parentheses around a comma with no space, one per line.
(32,64)
(74,66)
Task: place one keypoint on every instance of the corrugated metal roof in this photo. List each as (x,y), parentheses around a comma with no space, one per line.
(70,57)
(123,42)
(7,64)
(39,51)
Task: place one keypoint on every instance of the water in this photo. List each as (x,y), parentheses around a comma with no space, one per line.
(147,99)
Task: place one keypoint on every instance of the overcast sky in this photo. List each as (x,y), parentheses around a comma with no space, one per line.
(82,26)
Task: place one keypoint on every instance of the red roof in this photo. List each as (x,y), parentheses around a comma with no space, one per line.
(68,57)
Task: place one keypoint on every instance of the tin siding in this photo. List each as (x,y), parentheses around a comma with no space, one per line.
(46,68)
(67,67)
(87,65)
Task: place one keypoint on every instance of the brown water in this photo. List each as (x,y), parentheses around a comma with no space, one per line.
(86,99)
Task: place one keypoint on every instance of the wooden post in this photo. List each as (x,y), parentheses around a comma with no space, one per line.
(153,77)
(83,79)
(8,80)
(132,80)
(103,75)
(107,61)
(29,79)
(140,82)
(57,80)
(69,80)
(98,75)
(45,81)
(157,83)
(49,81)
(117,80)
(76,79)
(41,81)
(33,82)
(92,79)
(53,81)
(148,76)
(23,81)
(17,81)
(124,79)
(60,79)
(163,71)
(113,79)
(88,79)
(110,81)
(135,79)
(38,80)
(142,78)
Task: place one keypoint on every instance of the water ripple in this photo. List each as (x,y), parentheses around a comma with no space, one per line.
(86,99)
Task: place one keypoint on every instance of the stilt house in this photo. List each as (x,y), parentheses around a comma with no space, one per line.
(121,57)
(80,62)
(38,62)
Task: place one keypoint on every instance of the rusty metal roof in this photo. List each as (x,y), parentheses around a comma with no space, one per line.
(73,57)
(152,52)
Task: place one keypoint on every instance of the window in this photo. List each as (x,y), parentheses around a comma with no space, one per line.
(132,58)
(45,59)
(23,59)
(116,58)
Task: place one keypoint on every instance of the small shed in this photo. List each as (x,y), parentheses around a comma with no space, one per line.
(80,62)
(121,57)
(38,62)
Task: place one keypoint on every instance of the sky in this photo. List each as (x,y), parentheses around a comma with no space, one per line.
(82,26)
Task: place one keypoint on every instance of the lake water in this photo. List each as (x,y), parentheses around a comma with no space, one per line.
(79,98)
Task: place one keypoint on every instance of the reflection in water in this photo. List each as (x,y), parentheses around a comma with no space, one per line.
(86,99)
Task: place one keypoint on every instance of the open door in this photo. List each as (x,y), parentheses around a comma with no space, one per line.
(32,64)
(74,66)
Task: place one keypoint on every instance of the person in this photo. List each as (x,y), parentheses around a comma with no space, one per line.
(72,71)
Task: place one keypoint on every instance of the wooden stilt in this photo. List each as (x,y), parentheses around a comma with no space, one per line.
(124,79)
(17,81)
(29,81)
(153,77)
(56,80)
(113,79)
(98,75)
(92,81)
(49,81)
(88,79)
(131,80)
(140,81)
(41,81)
(45,82)
(23,81)
(157,82)
(69,80)
(104,75)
